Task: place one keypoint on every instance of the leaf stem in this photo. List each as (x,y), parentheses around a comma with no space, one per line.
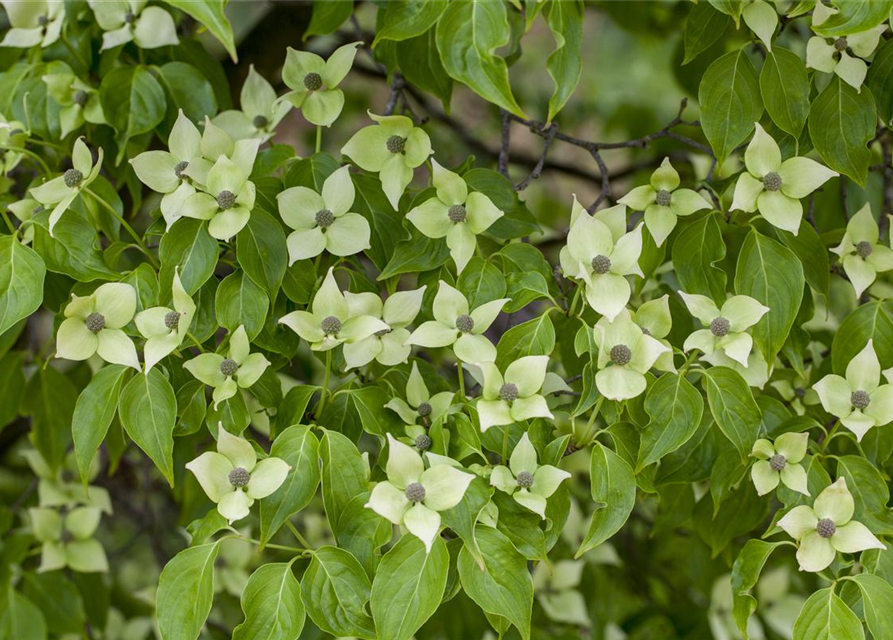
(325,384)
(318,139)
(461,379)
(297,534)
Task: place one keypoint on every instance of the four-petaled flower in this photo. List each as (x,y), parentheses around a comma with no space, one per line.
(774,187)
(625,354)
(529,483)
(655,320)
(61,191)
(226,200)
(727,327)
(797,392)
(77,100)
(233,478)
(412,495)
(68,539)
(826,528)
(387,346)
(456,214)
(164,328)
(126,20)
(842,55)
(261,110)
(859,400)
(515,396)
(94,323)
(239,369)
(780,463)
(314,82)
(419,403)
(861,255)
(35,22)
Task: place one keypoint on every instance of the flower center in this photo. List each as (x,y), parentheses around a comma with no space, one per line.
(777,462)
(424,409)
(239,477)
(43,21)
(330,325)
(840,44)
(525,479)
(860,399)
(72,178)
(465,323)
(620,354)
(226,199)
(601,264)
(826,527)
(423,443)
(508,392)
(80,97)
(180,168)
(171,320)
(720,327)
(313,81)
(663,198)
(129,17)
(799,392)
(396,144)
(229,367)
(95,322)
(457,213)
(415,492)
(772,181)
(66,536)
(260,122)
(325,218)
(863,249)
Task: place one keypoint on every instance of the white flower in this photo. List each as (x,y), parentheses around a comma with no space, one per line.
(625,354)
(261,110)
(529,483)
(556,590)
(35,22)
(94,323)
(62,190)
(387,346)
(165,328)
(419,403)
(126,20)
(239,369)
(68,539)
(780,462)
(514,397)
(727,326)
(842,55)
(861,255)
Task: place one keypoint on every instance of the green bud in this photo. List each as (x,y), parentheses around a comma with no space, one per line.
(396,144)
(324,218)
(601,264)
(826,527)
(772,181)
(313,81)
(330,325)
(860,399)
(457,213)
(465,323)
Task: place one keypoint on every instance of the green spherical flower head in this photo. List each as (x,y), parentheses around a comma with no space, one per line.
(826,527)
(313,81)
(620,354)
(465,323)
(601,264)
(80,98)
(396,144)
(800,392)
(95,322)
(324,218)
(229,367)
(260,122)
(525,479)
(863,249)
(424,410)
(777,462)
(239,477)
(841,44)
(172,319)
(663,198)
(129,17)
(508,392)
(330,325)
(720,327)
(72,178)
(180,168)
(415,492)
(423,443)
(457,213)
(66,536)
(772,181)
(226,199)
(860,399)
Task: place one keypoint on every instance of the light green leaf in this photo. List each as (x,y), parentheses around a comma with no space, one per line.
(21,281)
(186,591)
(535,337)
(745,573)
(148,409)
(877,602)
(565,20)
(211,14)
(133,103)
(733,407)
(262,252)
(335,589)
(93,414)
(272,605)
(675,408)
(614,493)
(298,447)
(784,86)
(696,251)
(871,321)
(826,617)
(405,20)
(704,26)
(240,302)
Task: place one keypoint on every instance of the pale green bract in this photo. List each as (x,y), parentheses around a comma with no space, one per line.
(861,253)
(844,55)
(314,82)
(530,484)
(238,369)
(387,346)
(61,191)
(164,328)
(36,22)
(625,354)
(67,539)
(780,462)
(515,395)
(727,327)
(261,110)
(79,101)
(126,20)
(94,325)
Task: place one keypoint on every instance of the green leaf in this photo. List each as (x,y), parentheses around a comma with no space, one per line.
(12,385)
(809,248)
(20,619)
(854,17)
(186,591)
(191,249)
(518,221)
(133,103)
(58,599)
(880,80)
(696,251)
(871,321)
(188,89)
(73,249)
(240,302)
(870,492)
(745,573)
(419,253)
(463,517)
(298,447)
(335,589)
(772,275)
(421,64)
(532,338)
(262,253)
(327,17)
(504,587)
(272,605)
(732,405)
(784,86)
(613,490)
(468,34)
(877,602)
(21,281)
(49,399)
(481,282)
(405,20)
(524,288)
(729,95)
(841,122)
(675,408)
(704,26)
(565,20)
(148,410)
(825,616)
(386,224)
(93,414)
(345,473)
(212,15)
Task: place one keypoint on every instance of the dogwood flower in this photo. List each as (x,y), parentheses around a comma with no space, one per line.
(78,101)
(12,134)
(663,201)
(845,55)
(412,496)
(761,18)
(323,222)
(226,201)
(774,187)
(727,326)
(164,328)
(515,396)
(859,400)
(393,148)
(24,210)
(455,325)
(329,322)
(261,110)
(68,539)
(756,373)
(780,463)
(233,478)
(601,253)
(826,528)
(94,323)
(314,82)
(36,22)
(456,214)
(419,403)
(861,255)
(126,20)
(625,354)
(556,591)
(61,191)
(57,487)
(387,346)
(239,369)
(529,483)
(654,318)
(797,393)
